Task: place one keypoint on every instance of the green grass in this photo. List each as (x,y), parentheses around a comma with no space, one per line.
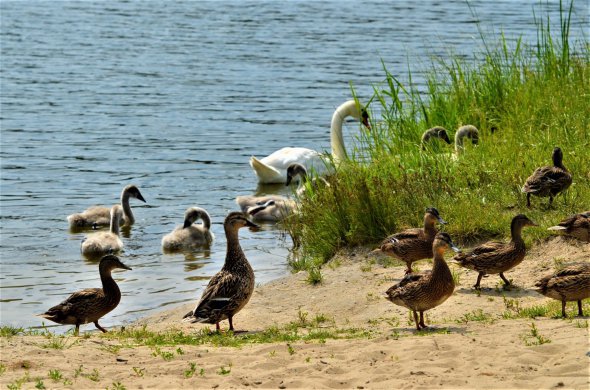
(300,330)
(536,96)
(550,309)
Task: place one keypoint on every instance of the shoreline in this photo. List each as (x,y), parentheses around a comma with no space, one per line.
(374,343)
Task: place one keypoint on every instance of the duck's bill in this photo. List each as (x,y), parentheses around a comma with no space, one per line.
(140,197)
(126,267)
(289,179)
(455,249)
(442,221)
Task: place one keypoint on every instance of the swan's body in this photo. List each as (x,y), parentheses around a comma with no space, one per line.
(91,304)
(104,243)
(189,236)
(100,215)
(273,168)
(426,290)
(230,289)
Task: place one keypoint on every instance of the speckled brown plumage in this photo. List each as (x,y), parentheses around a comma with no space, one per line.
(497,257)
(230,289)
(413,244)
(91,304)
(423,291)
(577,225)
(571,283)
(549,180)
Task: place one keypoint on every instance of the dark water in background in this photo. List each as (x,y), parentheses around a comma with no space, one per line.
(175,97)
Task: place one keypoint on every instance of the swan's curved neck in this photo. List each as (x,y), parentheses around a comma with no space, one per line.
(336,137)
(459,141)
(129,218)
(206,220)
(114,228)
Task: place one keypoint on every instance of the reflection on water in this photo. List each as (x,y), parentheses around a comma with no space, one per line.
(175,97)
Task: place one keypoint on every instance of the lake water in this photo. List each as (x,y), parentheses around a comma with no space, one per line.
(175,97)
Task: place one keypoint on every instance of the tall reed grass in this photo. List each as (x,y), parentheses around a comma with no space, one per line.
(524,99)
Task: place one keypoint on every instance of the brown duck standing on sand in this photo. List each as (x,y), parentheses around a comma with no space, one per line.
(426,290)
(548,181)
(413,244)
(230,289)
(497,257)
(91,304)
(577,225)
(571,283)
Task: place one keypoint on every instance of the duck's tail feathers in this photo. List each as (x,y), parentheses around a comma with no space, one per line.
(265,173)
(191,318)
(557,228)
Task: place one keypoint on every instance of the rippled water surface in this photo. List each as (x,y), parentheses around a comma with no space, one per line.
(175,97)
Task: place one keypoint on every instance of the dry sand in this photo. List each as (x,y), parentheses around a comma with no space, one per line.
(473,354)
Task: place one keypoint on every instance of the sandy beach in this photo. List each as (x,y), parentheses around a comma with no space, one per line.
(478,340)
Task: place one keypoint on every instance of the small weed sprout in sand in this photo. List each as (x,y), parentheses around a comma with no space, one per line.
(94,376)
(314,275)
(535,338)
(476,316)
(39,384)
(456,276)
(55,375)
(302,317)
(191,370)
(139,371)
(582,324)
(167,356)
(58,342)
(272,353)
(9,331)
(224,371)
(17,384)
(2,369)
(179,351)
(117,386)
(290,349)
(78,371)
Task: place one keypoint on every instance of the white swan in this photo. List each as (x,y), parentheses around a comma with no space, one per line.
(273,168)
(190,236)
(104,243)
(100,215)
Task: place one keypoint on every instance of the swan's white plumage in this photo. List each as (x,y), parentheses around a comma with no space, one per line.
(273,168)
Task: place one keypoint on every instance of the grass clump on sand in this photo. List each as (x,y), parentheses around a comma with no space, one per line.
(533,98)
